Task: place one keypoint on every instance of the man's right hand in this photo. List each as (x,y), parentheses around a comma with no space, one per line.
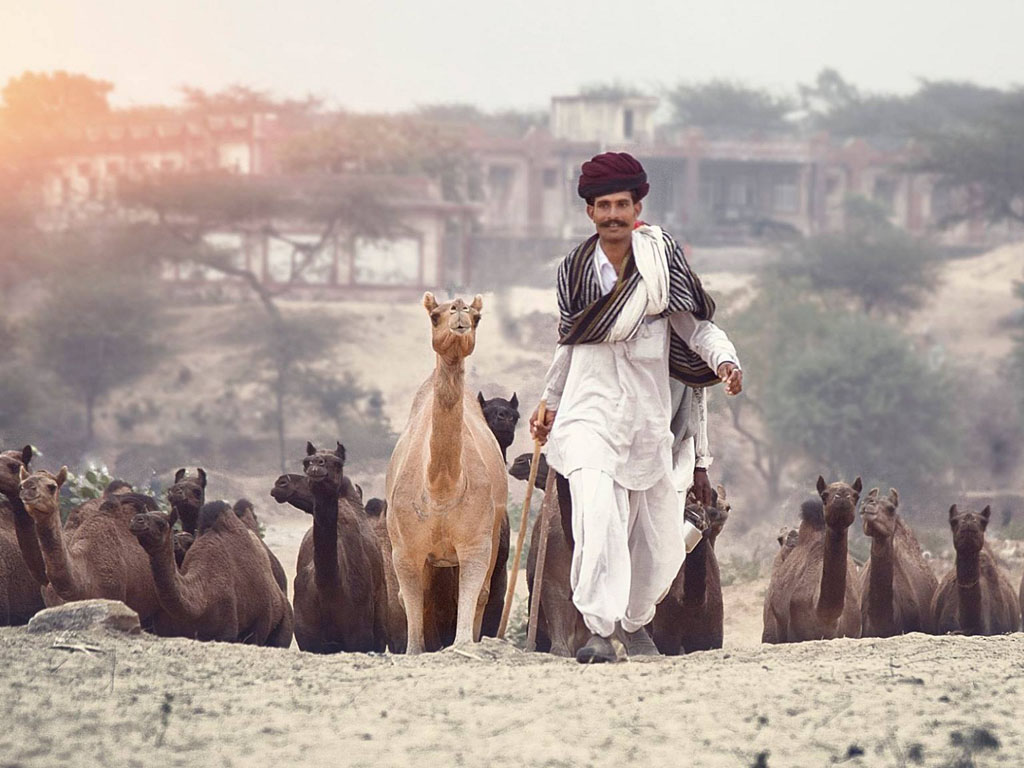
(539,430)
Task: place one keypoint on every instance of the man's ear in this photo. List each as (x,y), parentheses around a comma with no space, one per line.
(638,208)
(590,212)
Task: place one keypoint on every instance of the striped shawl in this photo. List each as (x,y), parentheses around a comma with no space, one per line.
(587,317)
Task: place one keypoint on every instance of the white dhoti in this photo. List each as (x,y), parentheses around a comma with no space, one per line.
(629,548)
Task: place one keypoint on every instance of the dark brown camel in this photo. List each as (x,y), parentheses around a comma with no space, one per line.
(20,585)
(976,597)
(225,589)
(293,489)
(813,592)
(341,600)
(501,416)
(897,585)
(691,616)
(100,558)
(187,496)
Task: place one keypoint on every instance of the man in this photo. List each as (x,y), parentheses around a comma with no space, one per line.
(631,314)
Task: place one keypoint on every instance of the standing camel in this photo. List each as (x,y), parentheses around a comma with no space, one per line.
(812,594)
(897,585)
(976,597)
(446,486)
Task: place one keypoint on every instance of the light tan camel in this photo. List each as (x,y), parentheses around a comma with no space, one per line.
(446,485)
(813,593)
(897,585)
(100,558)
(976,597)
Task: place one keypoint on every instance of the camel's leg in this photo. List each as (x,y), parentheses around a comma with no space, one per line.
(410,588)
(474,572)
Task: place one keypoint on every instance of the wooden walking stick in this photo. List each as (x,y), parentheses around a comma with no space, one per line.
(546,513)
(524,521)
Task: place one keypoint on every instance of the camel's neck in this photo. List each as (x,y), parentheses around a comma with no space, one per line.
(881,607)
(181,596)
(968,587)
(695,583)
(832,592)
(325,536)
(60,570)
(445,463)
(189,517)
(28,540)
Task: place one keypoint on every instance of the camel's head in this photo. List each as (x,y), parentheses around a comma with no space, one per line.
(376,508)
(502,416)
(520,468)
(117,488)
(968,529)
(245,512)
(324,467)
(183,541)
(787,537)
(718,514)
(11,464)
(133,503)
(39,491)
(152,529)
(453,326)
(839,501)
(293,489)
(187,493)
(878,514)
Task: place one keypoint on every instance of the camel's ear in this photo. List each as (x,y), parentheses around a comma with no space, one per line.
(340,451)
(179,475)
(894,497)
(478,302)
(822,485)
(26,455)
(429,302)
(480,398)
(514,402)
(62,476)
(986,513)
(23,474)
(310,448)
(202,476)
(857,484)
(952,513)
(873,493)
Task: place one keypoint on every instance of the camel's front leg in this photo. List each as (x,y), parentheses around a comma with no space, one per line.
(410,590)
(474,574)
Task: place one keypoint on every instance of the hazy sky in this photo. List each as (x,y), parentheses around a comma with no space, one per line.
(388,55)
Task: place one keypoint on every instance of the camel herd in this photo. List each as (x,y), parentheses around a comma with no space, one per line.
(426,567)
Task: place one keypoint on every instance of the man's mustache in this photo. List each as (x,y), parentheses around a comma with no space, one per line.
(612,222)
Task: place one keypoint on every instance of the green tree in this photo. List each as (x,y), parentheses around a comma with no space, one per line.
(725,106)
(873,262)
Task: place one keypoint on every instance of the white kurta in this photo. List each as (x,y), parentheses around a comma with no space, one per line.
(611,438)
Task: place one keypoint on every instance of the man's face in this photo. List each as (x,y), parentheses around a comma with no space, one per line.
(614,215)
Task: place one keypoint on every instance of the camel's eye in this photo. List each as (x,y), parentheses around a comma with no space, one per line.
(51,487)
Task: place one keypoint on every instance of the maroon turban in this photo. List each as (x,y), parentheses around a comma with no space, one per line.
(612,172)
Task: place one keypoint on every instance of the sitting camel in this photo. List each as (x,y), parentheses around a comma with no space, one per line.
(187,496)
(976,597)
(225,589)
(446,487)
(812,594)
(691,617)
(341,599)
(22,570)
(897,585)
(100,558)
(245,512)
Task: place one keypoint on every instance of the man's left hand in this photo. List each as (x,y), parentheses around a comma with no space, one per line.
(701,487)
(732,376)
